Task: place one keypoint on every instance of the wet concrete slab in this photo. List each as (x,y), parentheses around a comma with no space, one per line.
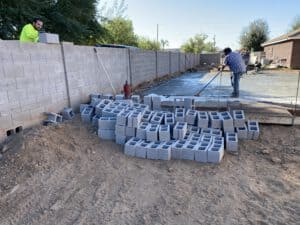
(264,87)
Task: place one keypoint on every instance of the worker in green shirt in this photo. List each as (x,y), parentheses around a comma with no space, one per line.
(30,32)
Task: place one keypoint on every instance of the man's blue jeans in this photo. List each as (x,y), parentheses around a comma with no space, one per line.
(235,82)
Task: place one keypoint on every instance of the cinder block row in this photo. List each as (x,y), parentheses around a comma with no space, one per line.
(212,132)
(191,116)
(179,115)
(87,114)
(152,132)
(120,130)
(253,130)
(176,149)
(164,133)
(110,112)
(227,122)
(142,130)
(141,150)
(131,146)
(239,118)
(195,137)
(188,150)
(106,134)
(231,142)
(206,138)
(164,153)
(102,105)
(180,130)
(202,119)
(215,120)
(107,123)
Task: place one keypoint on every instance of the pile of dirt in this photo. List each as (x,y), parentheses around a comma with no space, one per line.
(67,175)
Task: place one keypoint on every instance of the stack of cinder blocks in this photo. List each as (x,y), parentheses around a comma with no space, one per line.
(185,134)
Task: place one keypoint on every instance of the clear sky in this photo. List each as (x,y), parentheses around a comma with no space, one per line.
(179,20)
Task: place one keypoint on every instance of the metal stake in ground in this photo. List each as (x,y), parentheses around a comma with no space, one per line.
(297,92)
(105,71)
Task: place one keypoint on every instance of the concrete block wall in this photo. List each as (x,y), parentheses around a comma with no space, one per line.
(174,62)
(163,63)
(37,78)
(32,82)
(143,66)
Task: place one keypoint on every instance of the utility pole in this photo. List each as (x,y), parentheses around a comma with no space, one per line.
(157,33)
(214,42)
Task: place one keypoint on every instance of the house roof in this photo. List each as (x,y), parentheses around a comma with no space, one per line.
(293,35)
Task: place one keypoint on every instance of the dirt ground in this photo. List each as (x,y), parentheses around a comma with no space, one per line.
(66,175)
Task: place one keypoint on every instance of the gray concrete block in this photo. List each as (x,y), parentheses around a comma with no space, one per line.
(152,150)
(188,103)
(131,146)
(227,122)
(147,115)
(201,152)
(120,130)
(152,132)
(95,121)
(176,149)
(239,118)
(120,139)
(206,138)
(108,96)
(179,115)
(82,107)
(180,130)
(156,102)
(231,142)
(164,133)
(191,116)
(134,119)
(188,150)
(101,105)
(215,154)
(164,152)
(141,150)
(68,114)
(107,123)
(193,130)
(242,132)
(253,130)
(87,114)
(95,101)
(106,134)
(148,101)
(215,120)
(130,131)
(202,119)
(136,98)
(120,97)
(122,118)
(142,130)
(156,119)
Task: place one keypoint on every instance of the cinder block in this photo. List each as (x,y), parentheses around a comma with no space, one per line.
(239,118)
(164,152)
(147,115)
(176,149)
(179,115)
(215,120)
(68,114)
(164,133)
(141,150)
(131,146)
(253,130)
(122,118)
(120,130)
(106,134)
(202,119)
(152,150)
(142,130)
(180,130)
(107,123)
(227,122)
(206,138)
(108,96)
(188,103)
(215,154)
(188,150)
(148,101)
(121,140)
(190,117)
(95,101)
(156,102)
(156,119)
(231,142)
(193,130)
(119,97)
(82,107)
(152,132)
(95,95)
(242,132)
(201,152)
(95,121)
(136,98)
(134,119)
(130,131)
(99,108)
(87,114)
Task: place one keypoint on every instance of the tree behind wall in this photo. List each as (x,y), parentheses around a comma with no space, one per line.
(256,33)
(296,23)
(198,44)
(73,20)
